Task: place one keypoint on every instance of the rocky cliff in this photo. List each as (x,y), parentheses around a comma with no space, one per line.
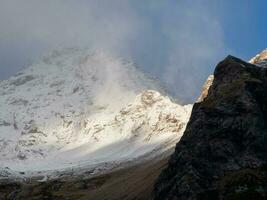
(223,152)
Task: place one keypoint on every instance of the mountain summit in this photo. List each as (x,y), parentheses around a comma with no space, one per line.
(77,108)
(223,152)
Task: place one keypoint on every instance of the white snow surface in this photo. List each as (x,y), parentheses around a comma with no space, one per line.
(79,108)
(260,59)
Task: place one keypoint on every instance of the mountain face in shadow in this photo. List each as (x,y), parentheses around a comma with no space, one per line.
(223,152)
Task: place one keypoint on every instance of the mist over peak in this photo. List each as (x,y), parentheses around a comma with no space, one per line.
(166,39)
(76,107)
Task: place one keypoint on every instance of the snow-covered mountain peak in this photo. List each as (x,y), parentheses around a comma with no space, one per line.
(260,59)
(77,106)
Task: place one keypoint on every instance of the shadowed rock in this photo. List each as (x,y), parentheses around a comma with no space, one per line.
(223,152)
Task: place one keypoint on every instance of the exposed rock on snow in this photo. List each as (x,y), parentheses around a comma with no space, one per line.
(77,108)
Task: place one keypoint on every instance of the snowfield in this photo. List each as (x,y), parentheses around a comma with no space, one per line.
(76,108)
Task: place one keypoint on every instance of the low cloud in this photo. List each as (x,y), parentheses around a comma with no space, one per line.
(176,41)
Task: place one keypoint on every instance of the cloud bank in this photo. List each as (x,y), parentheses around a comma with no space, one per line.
(177,41)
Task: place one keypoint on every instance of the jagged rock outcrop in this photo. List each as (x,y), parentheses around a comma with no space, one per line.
(223,152)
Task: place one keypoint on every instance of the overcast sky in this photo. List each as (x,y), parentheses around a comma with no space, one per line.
(178,41)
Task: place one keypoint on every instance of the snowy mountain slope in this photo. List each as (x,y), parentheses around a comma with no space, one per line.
(260,59)
(76,107)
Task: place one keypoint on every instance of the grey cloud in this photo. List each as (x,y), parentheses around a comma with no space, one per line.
(173,40)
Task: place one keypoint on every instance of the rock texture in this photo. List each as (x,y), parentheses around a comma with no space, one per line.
(223,152)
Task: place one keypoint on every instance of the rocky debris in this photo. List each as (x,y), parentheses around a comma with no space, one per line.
(22,80)
(223,152)
(4,123)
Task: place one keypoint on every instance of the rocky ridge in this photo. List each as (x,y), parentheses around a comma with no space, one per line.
(223,152)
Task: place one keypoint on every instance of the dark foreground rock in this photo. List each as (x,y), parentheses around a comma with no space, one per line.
(223,153)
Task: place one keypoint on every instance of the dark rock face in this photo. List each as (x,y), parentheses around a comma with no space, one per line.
(223,153)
